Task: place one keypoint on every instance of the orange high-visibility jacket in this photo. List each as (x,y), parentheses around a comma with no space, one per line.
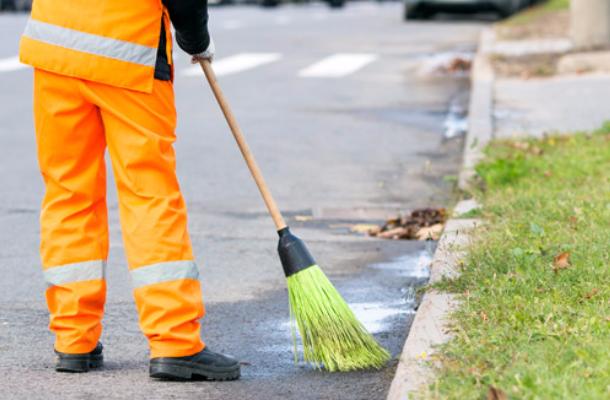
(108,41)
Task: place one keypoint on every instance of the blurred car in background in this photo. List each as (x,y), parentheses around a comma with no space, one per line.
(15,5)
(424,9)
(275,3)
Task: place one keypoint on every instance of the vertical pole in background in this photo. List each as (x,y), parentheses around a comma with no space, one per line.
(590,23)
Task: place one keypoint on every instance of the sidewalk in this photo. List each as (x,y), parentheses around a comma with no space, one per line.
(505,106)
(570,99)
(565,103)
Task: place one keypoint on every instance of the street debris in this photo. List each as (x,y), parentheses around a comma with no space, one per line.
(430,232)
(364,228)
(459,64)
(421,224)
(443,64)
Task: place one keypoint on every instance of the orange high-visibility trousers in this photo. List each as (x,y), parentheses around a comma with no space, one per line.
(76,120)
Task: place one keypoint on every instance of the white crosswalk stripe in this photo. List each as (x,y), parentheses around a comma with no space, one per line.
(11,64)
(335,66)
(237,63)
(338,65)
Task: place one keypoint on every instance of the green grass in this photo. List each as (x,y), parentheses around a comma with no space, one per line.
(537,11)
(524,326)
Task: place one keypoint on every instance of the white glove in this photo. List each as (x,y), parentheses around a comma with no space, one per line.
(208,54)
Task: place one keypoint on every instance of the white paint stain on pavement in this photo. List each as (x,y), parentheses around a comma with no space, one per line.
(338,65)
(237,63)
(11,64)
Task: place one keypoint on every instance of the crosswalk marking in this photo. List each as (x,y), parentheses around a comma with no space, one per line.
(11,64)
(237,63)
(338,65)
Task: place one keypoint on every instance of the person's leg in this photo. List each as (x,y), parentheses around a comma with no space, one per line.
(140,135)
(74,236)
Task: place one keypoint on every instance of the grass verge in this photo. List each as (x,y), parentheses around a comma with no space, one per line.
(534,320)
(537,11)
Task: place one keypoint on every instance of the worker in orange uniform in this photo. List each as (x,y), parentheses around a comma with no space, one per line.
(103,79)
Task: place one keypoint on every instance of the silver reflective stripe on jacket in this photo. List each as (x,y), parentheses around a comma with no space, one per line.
(77,272)
(164,272)
(90,43)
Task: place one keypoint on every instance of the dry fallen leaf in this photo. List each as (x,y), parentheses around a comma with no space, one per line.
(495,393)
(561,261)
(573,220)
(521,145)
(365,228)
(591,294)
(374,231)
(484,316)
(430,232)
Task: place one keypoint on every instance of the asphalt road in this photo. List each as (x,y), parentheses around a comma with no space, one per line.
(347,128)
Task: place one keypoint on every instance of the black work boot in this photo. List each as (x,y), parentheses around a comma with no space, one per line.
(80,362)
(204,365)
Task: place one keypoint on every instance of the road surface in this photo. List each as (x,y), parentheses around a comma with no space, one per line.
(347,129)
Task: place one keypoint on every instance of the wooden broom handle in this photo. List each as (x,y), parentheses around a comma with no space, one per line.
(276,215)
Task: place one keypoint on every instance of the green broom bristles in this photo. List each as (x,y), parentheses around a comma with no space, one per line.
(332,336)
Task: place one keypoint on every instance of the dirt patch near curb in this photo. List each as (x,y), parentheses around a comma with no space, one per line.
(525,67)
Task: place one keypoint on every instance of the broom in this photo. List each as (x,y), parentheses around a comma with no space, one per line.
(332,336)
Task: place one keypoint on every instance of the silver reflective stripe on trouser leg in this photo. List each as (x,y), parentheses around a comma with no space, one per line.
(164,272)
(76,272)
(90,43)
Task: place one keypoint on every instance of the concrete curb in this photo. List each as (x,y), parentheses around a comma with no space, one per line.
(480,117)
(430,326)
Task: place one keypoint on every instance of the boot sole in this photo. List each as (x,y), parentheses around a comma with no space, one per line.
(79,364)
(184,370)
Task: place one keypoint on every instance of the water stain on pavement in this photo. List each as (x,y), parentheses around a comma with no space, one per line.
(456,121)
